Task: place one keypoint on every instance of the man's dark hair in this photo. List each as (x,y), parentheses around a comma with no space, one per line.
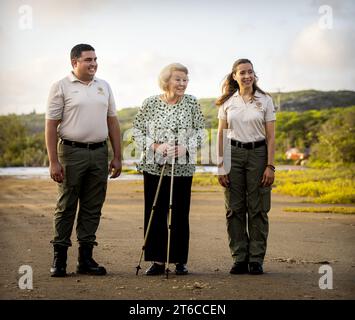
(78,49)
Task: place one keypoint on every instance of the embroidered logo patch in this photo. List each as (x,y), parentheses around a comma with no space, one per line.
(100,91)
(259,106)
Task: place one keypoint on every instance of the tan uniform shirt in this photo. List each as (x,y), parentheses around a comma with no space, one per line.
(246,121)
(82,108)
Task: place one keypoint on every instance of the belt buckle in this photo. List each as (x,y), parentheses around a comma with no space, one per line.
(88,146)
(253,145)
(73,144)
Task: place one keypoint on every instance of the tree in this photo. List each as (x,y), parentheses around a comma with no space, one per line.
(12,141)
(337,138)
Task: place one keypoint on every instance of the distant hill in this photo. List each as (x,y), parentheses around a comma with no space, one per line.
(290,101)
(322,120)
(313,100)
(304,100)
(284,101)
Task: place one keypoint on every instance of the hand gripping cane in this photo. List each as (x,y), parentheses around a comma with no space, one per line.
(151,217)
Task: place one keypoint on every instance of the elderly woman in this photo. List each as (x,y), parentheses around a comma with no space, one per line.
(168,127)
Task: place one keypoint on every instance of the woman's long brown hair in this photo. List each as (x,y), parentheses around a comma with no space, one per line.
(230,86)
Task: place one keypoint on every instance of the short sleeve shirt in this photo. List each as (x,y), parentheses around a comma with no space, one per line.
(82,108)
(246,121)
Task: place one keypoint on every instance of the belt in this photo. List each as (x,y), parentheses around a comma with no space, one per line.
(90,146)
(248,145)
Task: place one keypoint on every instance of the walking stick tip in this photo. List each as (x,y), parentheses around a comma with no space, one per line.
(167,272)
(138,268)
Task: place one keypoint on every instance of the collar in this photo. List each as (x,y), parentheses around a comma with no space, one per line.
(236,94)
(73,78)
(256,95)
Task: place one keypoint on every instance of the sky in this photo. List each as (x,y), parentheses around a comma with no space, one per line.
(294,45)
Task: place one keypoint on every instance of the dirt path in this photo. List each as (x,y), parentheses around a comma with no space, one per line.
(299,243)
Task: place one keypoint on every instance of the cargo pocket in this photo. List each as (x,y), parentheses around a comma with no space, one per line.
(265,199)
(71,176)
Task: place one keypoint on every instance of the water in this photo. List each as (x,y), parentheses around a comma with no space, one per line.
(43,172)
(25,172)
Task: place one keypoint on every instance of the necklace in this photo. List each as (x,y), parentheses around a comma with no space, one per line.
(248,98)
(173,100)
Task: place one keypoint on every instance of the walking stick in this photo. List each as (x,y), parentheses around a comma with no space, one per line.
(169,216)
(151,217)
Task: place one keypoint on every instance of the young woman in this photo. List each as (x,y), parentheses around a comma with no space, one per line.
(246,147)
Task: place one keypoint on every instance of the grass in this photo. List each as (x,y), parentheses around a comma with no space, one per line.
(343,210)
(332,184)
(327,185)
(205,179)
(129,171)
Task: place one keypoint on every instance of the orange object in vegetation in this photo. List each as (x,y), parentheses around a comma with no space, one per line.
(294,154)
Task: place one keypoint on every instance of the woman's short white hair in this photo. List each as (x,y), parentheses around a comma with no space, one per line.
(166,73)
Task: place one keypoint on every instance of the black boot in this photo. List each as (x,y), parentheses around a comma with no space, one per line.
(86,264)
(59,266)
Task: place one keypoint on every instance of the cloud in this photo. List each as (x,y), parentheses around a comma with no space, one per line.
(319,59)
(135,39)
(324,48)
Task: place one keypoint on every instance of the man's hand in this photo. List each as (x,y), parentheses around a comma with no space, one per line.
(56,171)
(115,168)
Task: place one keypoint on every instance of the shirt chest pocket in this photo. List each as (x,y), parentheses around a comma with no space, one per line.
(73,100)
(88,100)
(99,97)
(234,112)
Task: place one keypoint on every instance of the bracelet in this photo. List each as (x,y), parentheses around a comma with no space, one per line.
(271,167)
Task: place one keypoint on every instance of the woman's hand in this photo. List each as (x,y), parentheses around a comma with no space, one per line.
(161,148)
(268,177)
(176,151)
(224,180)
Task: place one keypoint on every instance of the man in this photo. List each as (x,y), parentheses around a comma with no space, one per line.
(81,111)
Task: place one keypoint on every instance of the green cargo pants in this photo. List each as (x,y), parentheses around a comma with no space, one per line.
(247,204)
(85,181)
